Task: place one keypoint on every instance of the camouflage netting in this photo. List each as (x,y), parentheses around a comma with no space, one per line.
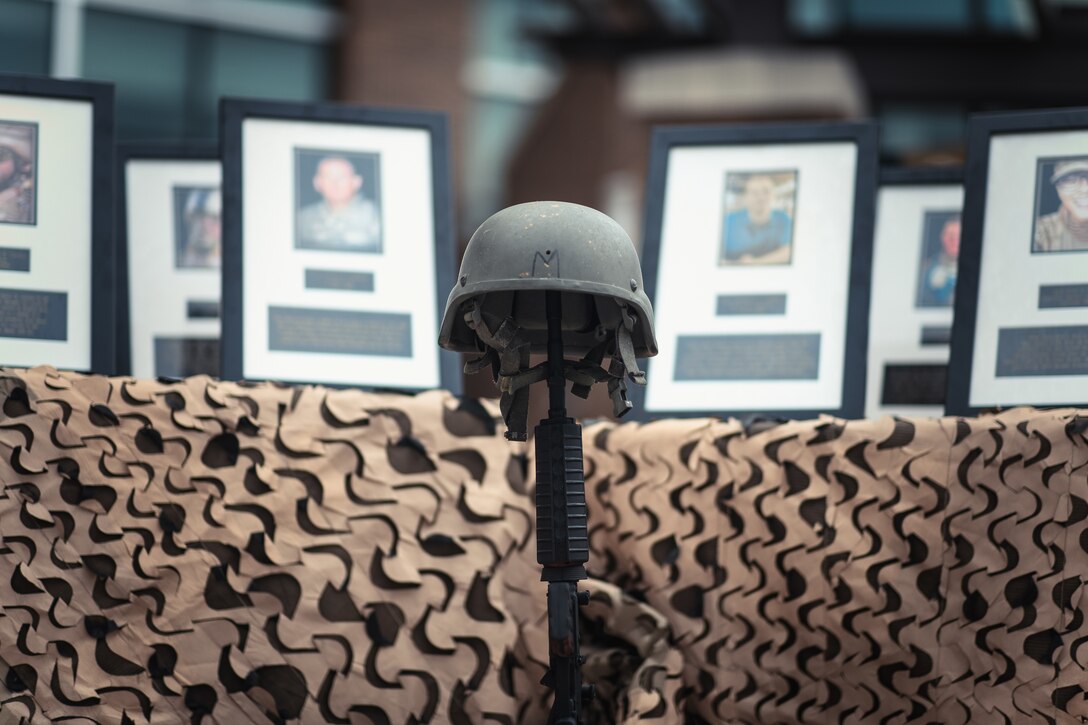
(884,571)
(219,552)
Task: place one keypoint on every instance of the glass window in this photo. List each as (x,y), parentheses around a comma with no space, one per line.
(25,28)
(148,61)
(816,17)
(829,17)
(918,130)
(329,4)
(913,15)
(170,76)
(259,67)
(1012,16)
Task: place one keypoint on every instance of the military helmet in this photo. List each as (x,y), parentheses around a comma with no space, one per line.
(497,306)
(527,249)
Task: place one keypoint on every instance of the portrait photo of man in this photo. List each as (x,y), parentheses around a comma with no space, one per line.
(338,201)
(197,227)
(18,161)
(757,225)
(1061,205)
(940,257)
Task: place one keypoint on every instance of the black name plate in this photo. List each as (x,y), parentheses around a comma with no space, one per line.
(202,310)
(751,304)
(936,335)
(13,259)
(1053,296)
(180,357)
(914,384)
(1037,351)
(33,315)
(339,332)
(748,357)
(334,279)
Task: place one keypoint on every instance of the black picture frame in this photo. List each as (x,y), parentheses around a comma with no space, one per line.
(233,112)
(981,129)
(920,176)
(127,152)
(103,253)
(865,135)
(934,374)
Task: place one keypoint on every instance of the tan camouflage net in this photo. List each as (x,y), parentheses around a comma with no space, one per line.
(884,571)
(208,551)
(216,552)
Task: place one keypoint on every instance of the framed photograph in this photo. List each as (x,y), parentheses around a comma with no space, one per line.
(756,256)
(915,255)
(1020,335)
(338,201)
(18,172)
(757,219)
(1061,205)
(338,247)
(170,251)
(56,224)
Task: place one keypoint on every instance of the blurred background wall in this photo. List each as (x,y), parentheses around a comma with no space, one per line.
(554,99)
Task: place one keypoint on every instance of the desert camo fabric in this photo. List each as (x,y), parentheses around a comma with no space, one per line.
(884,571)
(201,551)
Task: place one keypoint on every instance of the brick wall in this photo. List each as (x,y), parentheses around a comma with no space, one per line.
(408,54)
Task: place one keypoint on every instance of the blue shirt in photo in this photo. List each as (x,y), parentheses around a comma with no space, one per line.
(741,237)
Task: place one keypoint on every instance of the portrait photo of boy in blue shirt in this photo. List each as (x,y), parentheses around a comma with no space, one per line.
(757,224)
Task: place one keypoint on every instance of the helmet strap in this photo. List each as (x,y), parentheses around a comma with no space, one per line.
(507,354)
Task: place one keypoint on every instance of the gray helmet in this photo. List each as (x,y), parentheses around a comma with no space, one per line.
(497,306)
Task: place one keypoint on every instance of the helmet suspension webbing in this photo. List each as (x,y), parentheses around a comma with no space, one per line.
(507,353)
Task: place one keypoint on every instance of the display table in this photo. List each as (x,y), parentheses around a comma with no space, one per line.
(261,553)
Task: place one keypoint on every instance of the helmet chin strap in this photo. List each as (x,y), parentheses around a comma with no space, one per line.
(507,354)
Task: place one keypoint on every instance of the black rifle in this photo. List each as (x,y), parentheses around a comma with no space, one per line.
(562,531)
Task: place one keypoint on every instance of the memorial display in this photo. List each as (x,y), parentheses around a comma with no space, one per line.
(579,297)
(1020,335)
(915,255)
(259,553)
(757,252)
(337,245)
(170,249)
(56,218)
(218,503)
